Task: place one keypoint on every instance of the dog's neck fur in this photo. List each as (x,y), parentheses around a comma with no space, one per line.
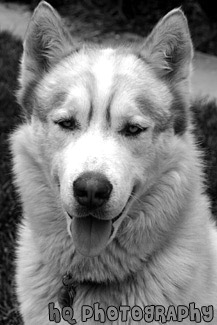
(125,258)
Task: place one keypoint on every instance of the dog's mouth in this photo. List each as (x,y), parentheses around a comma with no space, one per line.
(91,235)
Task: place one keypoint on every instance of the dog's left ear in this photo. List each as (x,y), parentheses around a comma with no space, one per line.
(169,48)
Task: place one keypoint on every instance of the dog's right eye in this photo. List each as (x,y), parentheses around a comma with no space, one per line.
(67,124)
(131,130)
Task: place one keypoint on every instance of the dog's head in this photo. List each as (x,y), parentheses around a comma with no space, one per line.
(103,117)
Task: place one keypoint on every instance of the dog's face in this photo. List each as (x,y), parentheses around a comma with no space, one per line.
(102,117)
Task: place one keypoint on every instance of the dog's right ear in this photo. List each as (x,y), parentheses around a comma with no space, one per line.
(47,40)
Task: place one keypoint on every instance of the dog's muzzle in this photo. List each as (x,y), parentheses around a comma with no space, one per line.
(90,232)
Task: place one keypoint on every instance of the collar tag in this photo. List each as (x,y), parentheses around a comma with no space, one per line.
(67,292)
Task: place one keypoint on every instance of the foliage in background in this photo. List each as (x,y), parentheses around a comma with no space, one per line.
(10,210)
(96,18)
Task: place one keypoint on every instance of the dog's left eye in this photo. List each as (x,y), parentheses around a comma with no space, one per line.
(132,130)
(67,124)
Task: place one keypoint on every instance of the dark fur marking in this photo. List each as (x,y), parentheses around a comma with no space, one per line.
(31,105)
(162,120)
(58,99)
(108,114)
(90,114)
(178,117)
(180,114)
(108,109)
(26,98)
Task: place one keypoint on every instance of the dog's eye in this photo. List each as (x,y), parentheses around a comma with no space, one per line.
(132,130)
(67,124)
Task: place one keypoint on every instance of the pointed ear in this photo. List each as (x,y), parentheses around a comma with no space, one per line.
(46,42)
(169,48)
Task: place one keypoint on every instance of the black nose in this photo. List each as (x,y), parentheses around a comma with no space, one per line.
(92,189)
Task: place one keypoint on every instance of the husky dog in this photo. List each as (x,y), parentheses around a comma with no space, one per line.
(111,181)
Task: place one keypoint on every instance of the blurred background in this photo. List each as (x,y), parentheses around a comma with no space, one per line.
(98,21)
(95,18)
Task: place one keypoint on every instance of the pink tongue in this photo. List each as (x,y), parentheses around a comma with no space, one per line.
(90,234)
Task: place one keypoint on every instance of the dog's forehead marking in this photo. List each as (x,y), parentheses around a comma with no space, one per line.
(103,69)
(123,79)
(105,82)
(113,69)
(109,66)
(109,63)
